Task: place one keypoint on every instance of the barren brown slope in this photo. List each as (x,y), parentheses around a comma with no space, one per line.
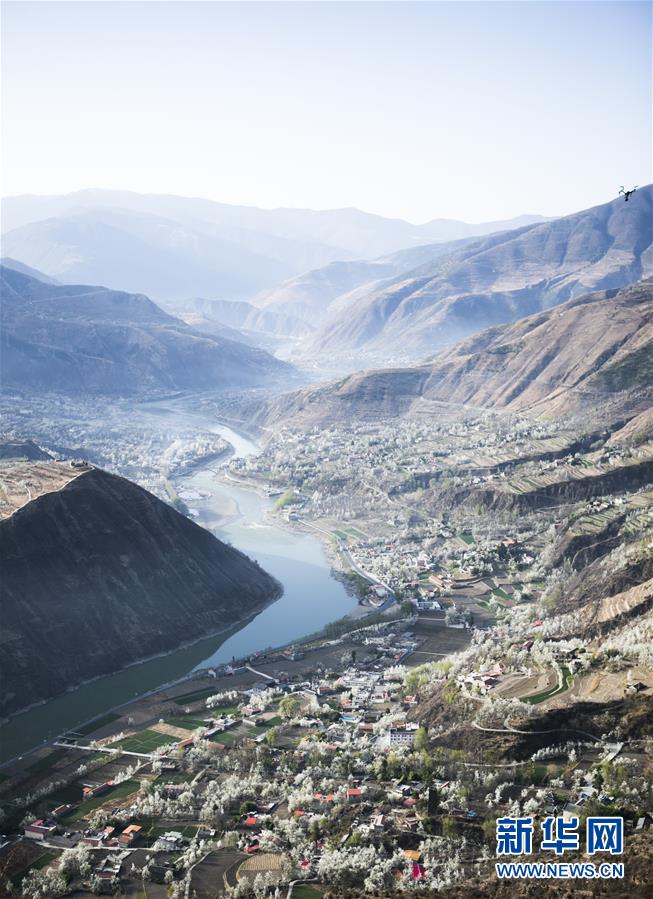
(558,361)
(597,349)
(636,430)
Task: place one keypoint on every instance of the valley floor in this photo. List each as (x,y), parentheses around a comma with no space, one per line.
(503,669)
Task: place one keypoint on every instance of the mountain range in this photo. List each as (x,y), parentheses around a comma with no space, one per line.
(490,281)
(173,248)
(592,352)
(404,305)
(77,339)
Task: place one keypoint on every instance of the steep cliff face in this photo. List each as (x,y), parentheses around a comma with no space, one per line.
(102,573)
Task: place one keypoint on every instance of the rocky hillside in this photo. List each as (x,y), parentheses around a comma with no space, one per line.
(593,352)
(329,290)
(101,573)
(568,358)
(91,339)
(497,279)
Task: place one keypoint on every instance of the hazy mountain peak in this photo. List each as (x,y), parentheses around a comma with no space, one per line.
(227,252)
(17,266)
(75,338)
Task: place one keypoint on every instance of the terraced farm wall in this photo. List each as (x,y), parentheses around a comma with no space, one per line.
(573,489)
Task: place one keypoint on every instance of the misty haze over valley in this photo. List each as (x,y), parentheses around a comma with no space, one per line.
(326,459)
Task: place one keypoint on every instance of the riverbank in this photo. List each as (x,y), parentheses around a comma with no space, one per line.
(30,729)
(311,599)
(312,596)
(338,572)
(334,554)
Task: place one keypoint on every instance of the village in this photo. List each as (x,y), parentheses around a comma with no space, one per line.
(449,515)
(306,767)
(377,754)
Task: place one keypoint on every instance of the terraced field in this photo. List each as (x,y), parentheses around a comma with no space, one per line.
(564,684)
(639,523)
(594,523)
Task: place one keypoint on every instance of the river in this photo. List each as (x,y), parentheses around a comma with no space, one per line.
(312,597)
(239,515)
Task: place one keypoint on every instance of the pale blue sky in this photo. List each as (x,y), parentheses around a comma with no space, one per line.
(418,110)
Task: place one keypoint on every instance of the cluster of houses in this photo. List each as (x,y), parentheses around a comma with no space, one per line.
(106,870)
(90,791)
(367,708)
(336,468)
(403,734)
(109,837)
(219,725)
(483,681)
(171,841)
(44,829)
